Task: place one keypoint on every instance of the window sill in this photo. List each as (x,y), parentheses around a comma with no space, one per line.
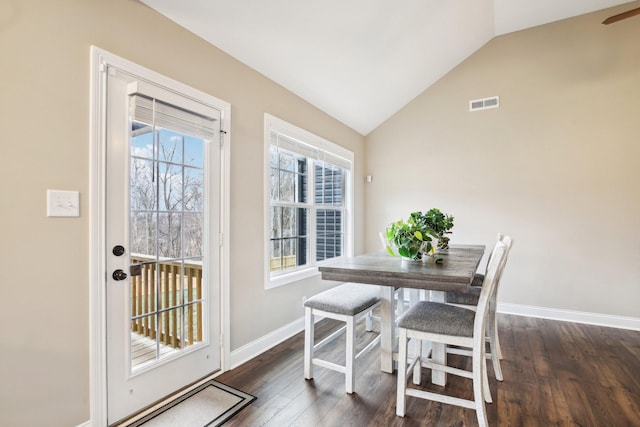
(295,276)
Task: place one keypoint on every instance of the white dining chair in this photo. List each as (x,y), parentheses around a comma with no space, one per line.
(449,325)
(470,300)
(349,303)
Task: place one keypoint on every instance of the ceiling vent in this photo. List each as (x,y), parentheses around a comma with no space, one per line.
(484,104)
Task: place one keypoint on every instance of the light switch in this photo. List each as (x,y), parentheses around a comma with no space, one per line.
(63,203)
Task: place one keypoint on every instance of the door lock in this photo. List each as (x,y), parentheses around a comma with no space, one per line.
(118,250)
(119,275)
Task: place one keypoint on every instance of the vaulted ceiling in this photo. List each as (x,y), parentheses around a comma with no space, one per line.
(361,61)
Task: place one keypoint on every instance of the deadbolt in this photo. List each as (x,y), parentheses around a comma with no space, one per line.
(119,275)
(118,250)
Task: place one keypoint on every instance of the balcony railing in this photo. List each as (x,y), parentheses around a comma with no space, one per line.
(172,310)
(278,264)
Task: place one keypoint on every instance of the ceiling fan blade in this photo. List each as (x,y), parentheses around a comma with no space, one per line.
(621,16)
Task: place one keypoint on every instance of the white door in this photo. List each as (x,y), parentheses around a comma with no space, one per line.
(162,263)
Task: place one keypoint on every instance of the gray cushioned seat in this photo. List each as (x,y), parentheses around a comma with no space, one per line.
(439,318)
(348,299)
(470,298)
(478,279)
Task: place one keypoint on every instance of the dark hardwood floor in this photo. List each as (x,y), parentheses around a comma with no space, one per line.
(555,374)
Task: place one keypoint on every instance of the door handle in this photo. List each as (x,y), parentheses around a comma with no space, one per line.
(119,275)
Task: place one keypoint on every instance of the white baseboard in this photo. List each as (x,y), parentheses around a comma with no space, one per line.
(264,343)
(599,319)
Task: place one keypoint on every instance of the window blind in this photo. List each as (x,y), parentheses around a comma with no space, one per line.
(294,145)
(158,113)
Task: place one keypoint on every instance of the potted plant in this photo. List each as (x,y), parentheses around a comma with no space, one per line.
(439,224)
(422,234)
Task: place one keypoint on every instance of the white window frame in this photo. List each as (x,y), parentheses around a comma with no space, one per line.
(273,280)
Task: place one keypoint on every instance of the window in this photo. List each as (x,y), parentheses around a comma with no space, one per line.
(308,206)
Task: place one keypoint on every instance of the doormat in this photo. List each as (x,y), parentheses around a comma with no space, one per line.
(209,405)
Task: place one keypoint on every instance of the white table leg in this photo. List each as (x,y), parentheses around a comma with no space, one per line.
(387,328)
(438,350)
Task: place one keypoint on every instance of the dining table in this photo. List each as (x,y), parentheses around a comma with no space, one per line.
(454,271)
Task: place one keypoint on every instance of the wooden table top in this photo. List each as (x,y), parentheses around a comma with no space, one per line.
(454,273)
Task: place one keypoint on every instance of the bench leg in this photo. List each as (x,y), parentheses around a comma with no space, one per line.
(308,343)
(350,382)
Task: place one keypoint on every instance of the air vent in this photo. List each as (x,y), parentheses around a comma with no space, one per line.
(484,104)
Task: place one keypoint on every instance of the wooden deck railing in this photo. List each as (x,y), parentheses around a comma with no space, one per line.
(163,302)
(275,264)
(176,302)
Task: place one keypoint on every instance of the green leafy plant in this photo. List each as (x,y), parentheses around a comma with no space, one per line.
(439,224)
(415,237)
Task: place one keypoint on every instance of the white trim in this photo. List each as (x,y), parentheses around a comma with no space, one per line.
(265,342)
(97,297)
(97,168)
(599,319)
(225,229)
(293,276)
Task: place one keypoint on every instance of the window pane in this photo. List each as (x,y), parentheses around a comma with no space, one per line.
(170,187)
(301,181)
(329,236)
(287,187)
(141,140)
(192,284)
(274,174)
(287,162)
(170,146)
(288,246)
(169,235)
(193,151)
(143,350)
(143,188)
(287,176)
(289,222)
(142,233)
(333,194)
(171,329)
(275,255)
(193,189)
(192,234)
(276,222)
(192,324)
(329,183)
(301,250)
(318,183)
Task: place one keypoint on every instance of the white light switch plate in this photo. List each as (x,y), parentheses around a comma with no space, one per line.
(63,203)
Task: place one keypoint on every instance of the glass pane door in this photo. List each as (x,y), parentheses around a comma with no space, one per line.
(166,234)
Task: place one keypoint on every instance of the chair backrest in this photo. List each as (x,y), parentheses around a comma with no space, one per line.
(500,238)
(507,240)
(498,259)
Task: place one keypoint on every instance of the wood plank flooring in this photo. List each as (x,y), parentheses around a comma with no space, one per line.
(555,374)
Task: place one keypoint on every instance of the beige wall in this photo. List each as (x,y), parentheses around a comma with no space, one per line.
(44,131)
(557,165)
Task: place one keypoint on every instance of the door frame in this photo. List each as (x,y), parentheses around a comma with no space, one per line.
(97,224)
